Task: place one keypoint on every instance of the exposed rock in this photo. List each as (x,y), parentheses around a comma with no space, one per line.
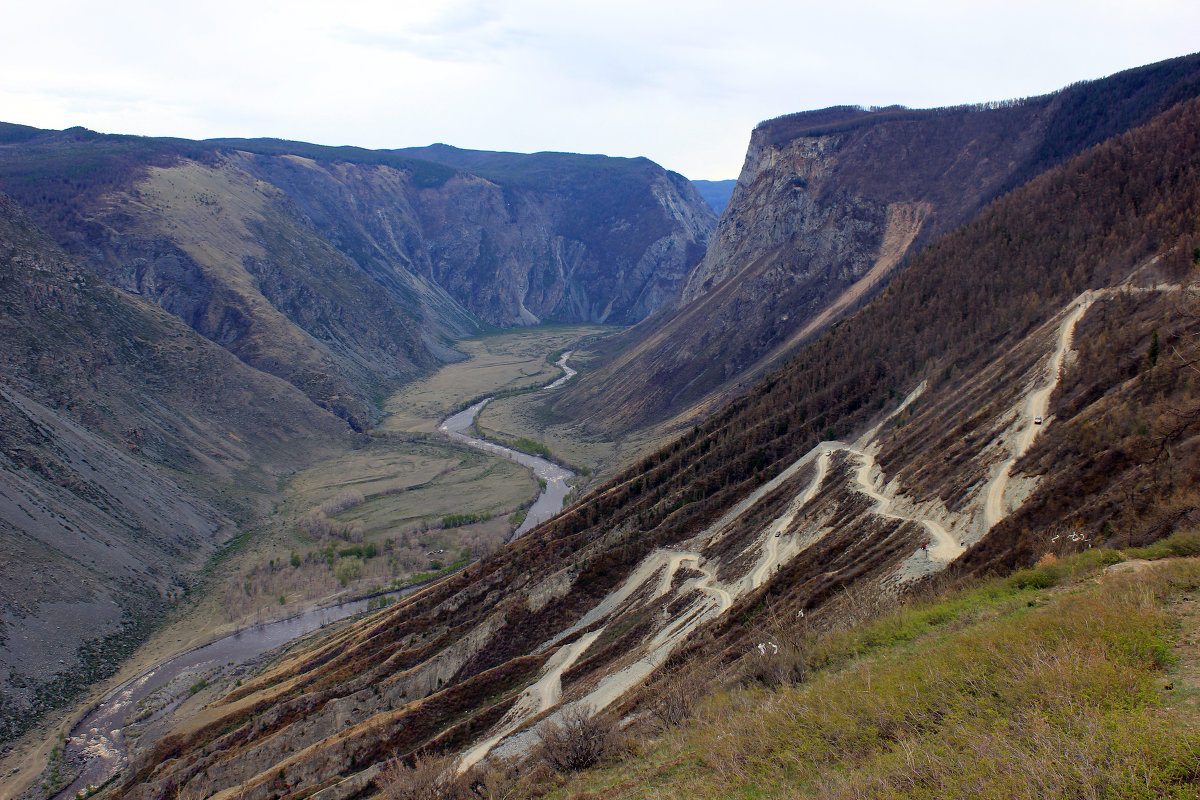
(829,203)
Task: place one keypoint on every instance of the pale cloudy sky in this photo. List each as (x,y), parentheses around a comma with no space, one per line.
(681,83)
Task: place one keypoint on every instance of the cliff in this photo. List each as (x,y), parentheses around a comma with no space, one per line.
(346,271)
(829,203)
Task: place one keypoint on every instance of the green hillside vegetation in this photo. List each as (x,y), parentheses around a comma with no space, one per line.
(1058,681)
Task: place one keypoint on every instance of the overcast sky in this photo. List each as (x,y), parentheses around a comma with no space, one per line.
(680,82)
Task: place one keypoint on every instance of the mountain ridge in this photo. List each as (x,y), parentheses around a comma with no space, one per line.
(269,244)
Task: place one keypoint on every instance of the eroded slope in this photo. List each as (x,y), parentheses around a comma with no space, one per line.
(128,445)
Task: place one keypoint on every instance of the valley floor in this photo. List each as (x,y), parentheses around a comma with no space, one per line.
(406,506)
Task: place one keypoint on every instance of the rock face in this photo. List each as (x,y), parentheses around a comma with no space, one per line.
(346,271)
(562,237)
(120,429)
(828,204)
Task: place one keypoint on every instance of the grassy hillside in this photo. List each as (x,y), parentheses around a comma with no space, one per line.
(1060,681)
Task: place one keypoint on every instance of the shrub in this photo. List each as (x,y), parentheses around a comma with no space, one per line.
(580,740)
(348,569)
(427,778)
(342,501)
(1178,544)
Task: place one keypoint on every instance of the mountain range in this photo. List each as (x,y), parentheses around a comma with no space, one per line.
(918,344)
(189,322)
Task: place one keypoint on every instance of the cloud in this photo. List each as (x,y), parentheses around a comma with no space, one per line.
(682,83)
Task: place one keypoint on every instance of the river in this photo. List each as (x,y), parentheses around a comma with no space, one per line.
(97,743)
(550,501)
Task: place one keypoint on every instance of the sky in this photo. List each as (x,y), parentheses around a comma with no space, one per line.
(682,83)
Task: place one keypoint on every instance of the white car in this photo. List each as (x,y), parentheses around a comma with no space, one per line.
(1037,420)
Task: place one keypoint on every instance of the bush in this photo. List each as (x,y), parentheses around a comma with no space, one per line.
(777,665)
(1180,544)
(348,569)
(427,778)
(342,501)
(580,740)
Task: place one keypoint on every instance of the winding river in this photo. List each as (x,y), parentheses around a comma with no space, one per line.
(97,743)
(551,499)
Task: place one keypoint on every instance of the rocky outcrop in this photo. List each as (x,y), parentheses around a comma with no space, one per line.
(346,271)
(828,204)
(561,237)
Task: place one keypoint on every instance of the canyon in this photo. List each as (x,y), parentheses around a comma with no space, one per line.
(919,347)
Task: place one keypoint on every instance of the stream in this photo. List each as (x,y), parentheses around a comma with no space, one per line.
(551,499)
(97,743)
(98,740)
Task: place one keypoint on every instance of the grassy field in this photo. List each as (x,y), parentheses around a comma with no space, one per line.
(499,362)
(509,419)
(410,502)
(1064,680)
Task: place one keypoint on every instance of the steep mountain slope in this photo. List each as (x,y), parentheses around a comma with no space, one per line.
(623,234)
(129,445)
(828,204)
(716,193)
(346,271)
(946,416)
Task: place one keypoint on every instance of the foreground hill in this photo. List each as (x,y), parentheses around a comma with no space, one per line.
(1023,386)
(346,271)
(828,204)
(129,445)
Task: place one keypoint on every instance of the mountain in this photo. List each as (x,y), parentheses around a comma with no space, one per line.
(1022,386)
(346,271)
(130,446)
(829,204)
(186,323)
(716,193)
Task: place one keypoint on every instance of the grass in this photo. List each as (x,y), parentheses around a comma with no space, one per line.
(1181,543)
(1045,684)
(498,363)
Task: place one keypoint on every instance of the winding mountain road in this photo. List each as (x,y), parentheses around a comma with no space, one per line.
(708,598)
(1037,406)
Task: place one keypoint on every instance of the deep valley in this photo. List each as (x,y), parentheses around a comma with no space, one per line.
(495,475)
